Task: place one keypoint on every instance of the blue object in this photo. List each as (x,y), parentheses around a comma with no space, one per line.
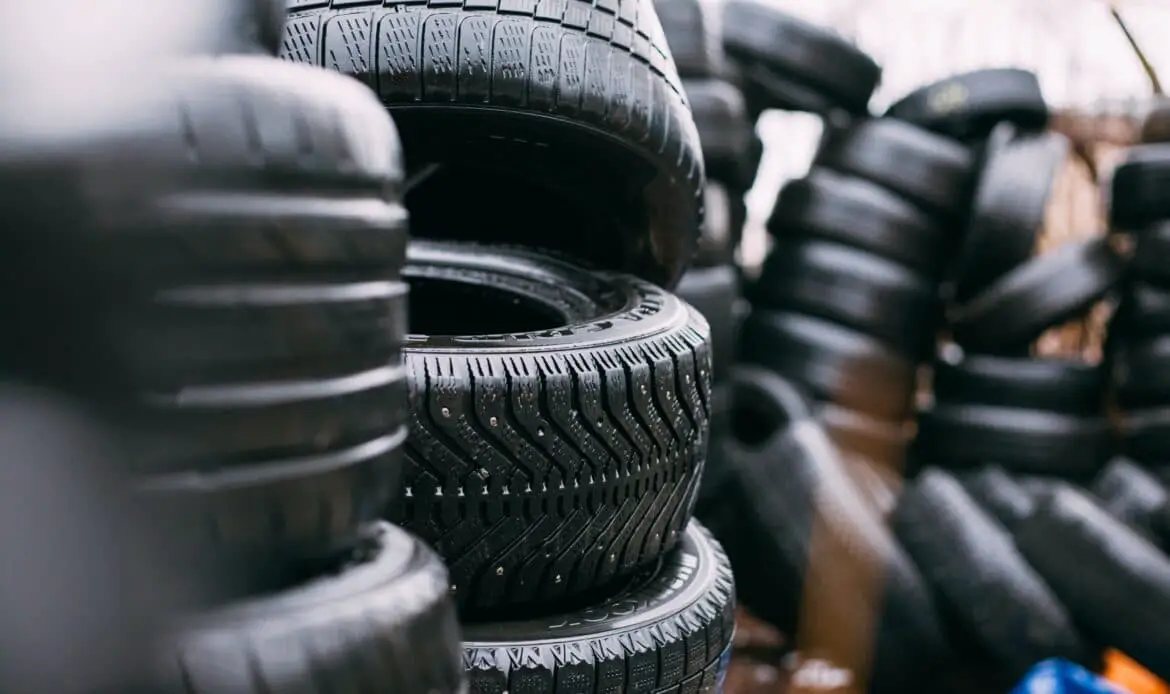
(1058,676)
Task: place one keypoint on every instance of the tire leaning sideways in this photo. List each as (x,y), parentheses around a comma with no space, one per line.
(384,617)
(492,101)
(669,630)
(558,422)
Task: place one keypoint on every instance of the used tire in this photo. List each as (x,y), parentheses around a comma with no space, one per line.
(492,100)
(1115,583)
(1008,209)
(1064,386)
(558,422)
(1152,245)
(1145,434)
(714,292)
(692,30)
(668,630)
(929,170)
(835,364)
(1136,190)
(852,288)
(384,617)
(725,132)
(1143,313)
(980,578)
(854,212)
(792,65)
(968,106)
(999,494)
(794,496)
(1131,495)
(1141,373)
(1026,441)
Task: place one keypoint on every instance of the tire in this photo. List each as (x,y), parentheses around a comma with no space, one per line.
(1024,441)
(1151,246)
(1115,583)
(724,131)
(788,484)
(1061,386)
(1131,495)
(274,241)
(1143,313)
(558,423)
(714,292)
(385,617)
(668,630)
(692,32)
(1136,199)
(852,288)
(1047,291)
(854,212)
(970,105)
(1141,372)
(1008,209)
(792,65)
(723,223)
(594,85)
(980,578)
(834,364)
(1000,495)
(931,171)
(1145,435)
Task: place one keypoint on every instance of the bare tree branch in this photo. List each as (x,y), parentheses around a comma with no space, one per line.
(1151,73)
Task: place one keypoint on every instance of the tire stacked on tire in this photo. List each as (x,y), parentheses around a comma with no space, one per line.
(560,395)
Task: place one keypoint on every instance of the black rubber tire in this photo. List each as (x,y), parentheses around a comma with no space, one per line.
(855,212)
(1143,313)
(792,65)
(927,169)
(968,106)
(1150,251)
(668,631)
(1137,197)
(1114,582)
(1062,386)
(849,287)
(857,435)
(500,97)
(789,484)
(558,425)
(980,578)
(834,364)
(1145,435)
(1132,495)
(1007,212)
(273,243)
(714,292)
(999,494)
(693,33)
(725,131)
(385,617)
(1141,373)
(1038,295)
(726,212)
(1025,441)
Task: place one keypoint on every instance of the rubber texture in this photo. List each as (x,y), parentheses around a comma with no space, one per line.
(929,170)
(561,451)
(1145,434)
(1062,386)
(795,496)
(1115,584)
(970,105)
(1025,441)
(385,617)
(792,65)
(1151,247)
(980,578)
(528,87)
(268,353)
(1132,495)
(1136,197)
(1008,209)
(1038,295)
(726,212)
(833,363)
(854,212)
(857,435)
(1143,313)
(668,632)
(692,30)
(1141,373)
(725,131)
(714,292)
(999,494)
(850,287)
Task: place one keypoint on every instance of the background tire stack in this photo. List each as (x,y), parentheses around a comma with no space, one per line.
(560,395)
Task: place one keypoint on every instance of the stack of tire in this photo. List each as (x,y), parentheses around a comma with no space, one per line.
(559,394)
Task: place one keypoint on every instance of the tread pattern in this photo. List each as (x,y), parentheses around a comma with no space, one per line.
(685,652)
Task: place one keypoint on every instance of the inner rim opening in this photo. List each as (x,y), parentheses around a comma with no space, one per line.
(446,307)
(752,427)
